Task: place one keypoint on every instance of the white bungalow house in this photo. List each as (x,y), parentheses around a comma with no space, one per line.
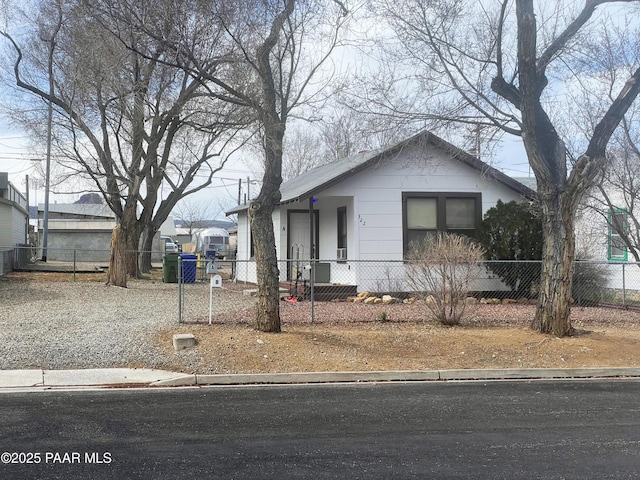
(370,206)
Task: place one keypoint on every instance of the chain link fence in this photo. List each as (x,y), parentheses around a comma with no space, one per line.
(305,285)
(72,260)
(308,285)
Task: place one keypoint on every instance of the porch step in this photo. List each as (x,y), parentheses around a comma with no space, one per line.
(327,293)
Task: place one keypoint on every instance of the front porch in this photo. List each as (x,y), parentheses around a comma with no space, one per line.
(322,292)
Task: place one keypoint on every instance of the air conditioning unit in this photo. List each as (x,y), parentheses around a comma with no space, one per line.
(341,254)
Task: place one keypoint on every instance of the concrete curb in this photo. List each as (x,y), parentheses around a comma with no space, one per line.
(42,380)
(538,373)
(396,376)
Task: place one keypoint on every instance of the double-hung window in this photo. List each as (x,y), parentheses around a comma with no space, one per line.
(618,225)
(425,214)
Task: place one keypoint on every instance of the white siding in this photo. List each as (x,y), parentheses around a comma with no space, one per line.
(378,190)
(19,227)
(373,198)
(246,268)
(12,225)
(5,221)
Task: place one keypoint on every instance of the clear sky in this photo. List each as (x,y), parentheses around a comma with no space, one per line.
(14,155)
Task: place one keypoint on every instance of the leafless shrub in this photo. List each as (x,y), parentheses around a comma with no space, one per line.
(440,271)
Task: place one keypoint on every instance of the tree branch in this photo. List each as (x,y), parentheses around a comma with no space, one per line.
(616,112)
(561,40)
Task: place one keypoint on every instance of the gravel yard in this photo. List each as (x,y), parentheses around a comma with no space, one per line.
(85,324)
(60,325)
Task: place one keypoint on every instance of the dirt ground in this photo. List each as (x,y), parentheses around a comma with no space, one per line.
(401,346)
(498,336)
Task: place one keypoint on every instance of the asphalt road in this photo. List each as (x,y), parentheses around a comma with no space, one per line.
(538,429)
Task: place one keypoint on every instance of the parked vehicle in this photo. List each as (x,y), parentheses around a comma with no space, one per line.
(170,245)
(212,242)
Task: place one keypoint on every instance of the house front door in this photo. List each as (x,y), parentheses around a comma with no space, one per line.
(299,238)
(299,235)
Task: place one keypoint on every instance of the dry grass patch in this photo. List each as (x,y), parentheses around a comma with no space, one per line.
(405,346)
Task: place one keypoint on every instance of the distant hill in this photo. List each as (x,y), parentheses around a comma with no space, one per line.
(226,224)
(90,198)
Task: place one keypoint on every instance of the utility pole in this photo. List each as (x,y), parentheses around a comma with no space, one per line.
(45,225)
(28,207)
(45,233)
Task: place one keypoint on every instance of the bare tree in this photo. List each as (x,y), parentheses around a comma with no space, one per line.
(612,203)
(340,133)
(344,133)
(301,152)
(193,213)
(499,67)
(267,57)
(125,121)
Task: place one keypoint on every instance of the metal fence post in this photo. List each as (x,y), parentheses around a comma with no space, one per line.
(74,264)
(624,287)
(312,285)
(180,292)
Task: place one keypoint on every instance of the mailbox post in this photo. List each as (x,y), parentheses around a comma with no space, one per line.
(215,282)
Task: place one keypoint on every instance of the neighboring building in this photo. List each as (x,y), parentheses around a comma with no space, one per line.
(168,228)
(14,214)
(372,205)
(597,239)
(14,222)
(83,229)
(598,242)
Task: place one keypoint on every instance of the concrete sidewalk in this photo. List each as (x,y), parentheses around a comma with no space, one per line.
(39,380)
(12,380)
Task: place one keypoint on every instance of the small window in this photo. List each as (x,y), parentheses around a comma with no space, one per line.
(342,227)
(618,226)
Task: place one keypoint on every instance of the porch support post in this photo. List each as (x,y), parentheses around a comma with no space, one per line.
(312,256)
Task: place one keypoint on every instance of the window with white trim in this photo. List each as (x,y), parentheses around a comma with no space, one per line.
(618,224)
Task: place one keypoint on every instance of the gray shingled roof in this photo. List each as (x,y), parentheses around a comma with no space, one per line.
(322,177)
(91,209)
(300,186)
(528,182)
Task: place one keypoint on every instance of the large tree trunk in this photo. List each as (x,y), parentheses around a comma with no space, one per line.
(124,250)
(268,314)
(117,274)
(131,231)
(147,246)
(260,210)
(554,302)
(260,216)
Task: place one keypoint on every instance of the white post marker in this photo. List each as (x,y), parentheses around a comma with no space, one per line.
(216,282)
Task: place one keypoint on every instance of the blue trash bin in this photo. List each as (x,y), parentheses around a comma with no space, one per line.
(189,264)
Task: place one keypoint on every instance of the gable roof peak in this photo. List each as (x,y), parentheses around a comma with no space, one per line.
(321,177)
